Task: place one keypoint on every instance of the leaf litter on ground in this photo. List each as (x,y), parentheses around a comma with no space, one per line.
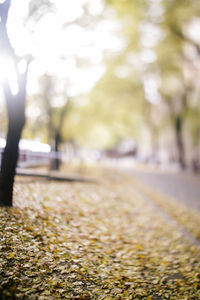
(92,241)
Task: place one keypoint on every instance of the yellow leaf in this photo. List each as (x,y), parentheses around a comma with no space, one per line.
(195,285)
(139,247)
(85,268)
(12,255)
(92,241)
(141,256)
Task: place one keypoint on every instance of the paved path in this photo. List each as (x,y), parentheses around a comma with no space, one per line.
(184,187)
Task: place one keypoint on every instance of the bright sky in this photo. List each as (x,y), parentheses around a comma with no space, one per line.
(56,49)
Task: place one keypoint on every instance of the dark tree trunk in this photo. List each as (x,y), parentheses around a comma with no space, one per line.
(55,163)
(16,122)
(179,141)
(16,114)
(9,163)
(57,144)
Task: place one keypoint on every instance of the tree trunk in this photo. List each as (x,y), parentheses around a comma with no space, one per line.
(55,163)
(16,122)
(9,163)
(57,144)
(16,113)
(179,141)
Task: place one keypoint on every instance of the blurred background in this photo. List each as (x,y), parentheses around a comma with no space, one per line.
(109,81)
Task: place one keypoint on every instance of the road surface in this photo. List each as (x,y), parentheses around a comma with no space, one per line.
(184,187)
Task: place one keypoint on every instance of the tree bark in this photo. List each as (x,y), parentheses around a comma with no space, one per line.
(57,144)
(179,141)
(16,114)
(56,161)
(9,163)
(16,121)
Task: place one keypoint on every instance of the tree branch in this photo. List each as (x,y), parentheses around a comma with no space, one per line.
(184,37)
(4,8)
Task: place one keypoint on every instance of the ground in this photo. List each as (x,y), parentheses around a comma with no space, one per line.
(111,238)
(183,186)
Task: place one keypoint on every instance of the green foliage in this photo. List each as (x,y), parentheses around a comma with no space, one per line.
(171,19)
(118,106)
(51,116)
(193,117)
(118,102)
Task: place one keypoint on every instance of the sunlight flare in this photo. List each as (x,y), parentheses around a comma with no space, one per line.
(8,74)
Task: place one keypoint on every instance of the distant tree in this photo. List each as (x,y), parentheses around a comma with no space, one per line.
(52,116)
(173,46)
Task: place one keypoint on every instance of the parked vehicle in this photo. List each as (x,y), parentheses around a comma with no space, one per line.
(31,153)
